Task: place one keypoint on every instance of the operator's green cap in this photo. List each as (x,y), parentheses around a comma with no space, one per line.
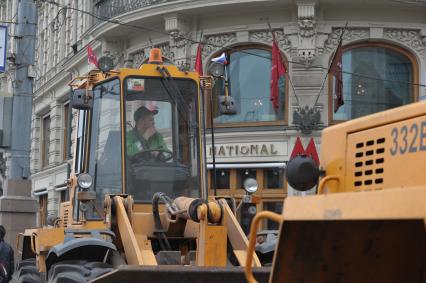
(142,112)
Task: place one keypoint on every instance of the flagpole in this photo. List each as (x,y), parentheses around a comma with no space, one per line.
(288,74)
(329,65)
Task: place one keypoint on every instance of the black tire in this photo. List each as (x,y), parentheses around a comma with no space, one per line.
(77,271)
(26,272)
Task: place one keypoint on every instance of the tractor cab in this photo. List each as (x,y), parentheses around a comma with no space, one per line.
(145,136)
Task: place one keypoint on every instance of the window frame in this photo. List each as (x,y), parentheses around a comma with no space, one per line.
(123,100)
(261,123)
(410,56)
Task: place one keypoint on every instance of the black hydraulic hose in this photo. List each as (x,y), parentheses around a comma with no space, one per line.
(159,230)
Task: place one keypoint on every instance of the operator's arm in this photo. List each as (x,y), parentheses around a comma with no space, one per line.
(132,144)
(159,142)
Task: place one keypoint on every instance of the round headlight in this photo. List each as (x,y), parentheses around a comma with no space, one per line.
(84,180)
(250,185)
(217,69)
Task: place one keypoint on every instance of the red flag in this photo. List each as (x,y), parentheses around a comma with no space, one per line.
(297,149)
(311,150)
(336,71)
(91,57)
(199,60)
(278,70)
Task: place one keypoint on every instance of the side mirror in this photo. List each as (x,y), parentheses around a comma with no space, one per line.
(227,105)
(81,100)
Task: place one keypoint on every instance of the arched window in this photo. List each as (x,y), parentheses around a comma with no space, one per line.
(249,74)
(379,77)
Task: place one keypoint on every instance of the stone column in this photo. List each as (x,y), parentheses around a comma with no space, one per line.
(17,209)
(56,133)
(178,27)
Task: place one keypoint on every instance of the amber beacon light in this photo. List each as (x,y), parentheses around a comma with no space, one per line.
(155,56)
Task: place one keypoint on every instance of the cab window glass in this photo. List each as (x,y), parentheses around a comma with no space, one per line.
(162,146)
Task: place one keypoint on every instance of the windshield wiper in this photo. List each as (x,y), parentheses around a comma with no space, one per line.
(171,87)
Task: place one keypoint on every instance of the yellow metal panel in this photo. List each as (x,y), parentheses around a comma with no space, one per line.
(146,250)
(333,145)
(211,248)
(384,204)
(46,238)
(143,223)
(131,247)
(237,238)
(89,225)
(390,156)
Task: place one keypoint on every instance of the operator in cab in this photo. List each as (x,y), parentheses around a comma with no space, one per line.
(144,137)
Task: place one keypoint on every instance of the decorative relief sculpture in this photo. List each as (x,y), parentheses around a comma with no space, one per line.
(138,58)
(410,38)
(217,41)
(180,39)
(307,119)
(350,34)
(266,37)
(166,50)
(307,37)
(117,57)
(306,47)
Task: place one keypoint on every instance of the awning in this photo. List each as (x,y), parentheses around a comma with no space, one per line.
(247,165)
(61,188)
(40,192)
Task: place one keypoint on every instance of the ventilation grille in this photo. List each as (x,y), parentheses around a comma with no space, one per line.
(368,165)
(92,77)
(66,214)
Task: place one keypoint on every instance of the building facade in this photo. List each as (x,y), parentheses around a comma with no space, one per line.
(384,66)
(7,17)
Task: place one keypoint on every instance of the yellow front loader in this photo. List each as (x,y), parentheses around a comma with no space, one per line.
(138,209)
(367,222)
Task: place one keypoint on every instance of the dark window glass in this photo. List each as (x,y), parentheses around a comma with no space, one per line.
(65,195)
(243,174)
(42,210)
(249,84)
(276,207)
(222,178)
(274,178)
(363,96)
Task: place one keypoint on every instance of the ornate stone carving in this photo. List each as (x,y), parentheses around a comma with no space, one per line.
(138,58)
(265,36)
(180,40)
(307,37)
(408,37)
(183,65)
(217,41)
(166,50)
(350,34)
(307,119)
(112,8)
(117,57)
(306,49)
